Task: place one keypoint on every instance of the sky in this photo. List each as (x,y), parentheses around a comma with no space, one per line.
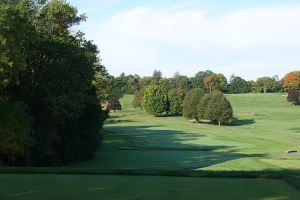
(248,38)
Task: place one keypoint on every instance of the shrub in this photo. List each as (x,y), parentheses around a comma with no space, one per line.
(114,104)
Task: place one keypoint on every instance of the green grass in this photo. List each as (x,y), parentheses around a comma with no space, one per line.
(37,187)
(138,144)
(267,127)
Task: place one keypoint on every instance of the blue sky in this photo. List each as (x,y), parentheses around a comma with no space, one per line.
(249,38)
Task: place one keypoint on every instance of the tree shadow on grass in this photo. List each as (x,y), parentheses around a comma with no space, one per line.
(117,121)
(243,122)
(296,129)
(153,148)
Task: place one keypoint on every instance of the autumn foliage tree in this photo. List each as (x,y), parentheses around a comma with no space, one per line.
(292,81)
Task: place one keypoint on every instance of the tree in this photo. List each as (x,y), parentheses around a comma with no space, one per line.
(138,99)
(293,96)
(14,132)
(114,104)
(132,84)
(203,106)
(265,83)
(190,104)
(155,101)
(176,98)
(238,85)
(182,82)
(216,82)
(219,109)
(166,84)
(292,81)
(51,69)
(197,80)
(144,82)
(101,83)
(156,76)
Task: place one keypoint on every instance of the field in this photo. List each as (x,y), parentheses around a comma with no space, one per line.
(135,143)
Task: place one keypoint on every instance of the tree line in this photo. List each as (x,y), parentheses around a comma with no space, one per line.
(50,96)
(206,80)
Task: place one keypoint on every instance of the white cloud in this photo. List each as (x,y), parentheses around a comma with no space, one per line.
(249,43)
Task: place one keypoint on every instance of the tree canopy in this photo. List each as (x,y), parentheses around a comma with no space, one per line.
(47,75)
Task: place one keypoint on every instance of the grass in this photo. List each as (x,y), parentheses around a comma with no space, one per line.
(36,187)
(138,144)
(267,127)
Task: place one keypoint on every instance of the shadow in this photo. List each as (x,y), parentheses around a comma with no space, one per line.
(170,115)
(155,148)
(110,121)
(242,122)
(296,129)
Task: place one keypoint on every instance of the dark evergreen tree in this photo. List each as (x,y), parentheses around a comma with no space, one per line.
(191,101)
(219,109)
(202,107)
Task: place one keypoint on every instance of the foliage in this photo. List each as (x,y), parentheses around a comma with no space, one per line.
(191,102)
(292,81)
(293,96)
(138,99)
(14,131)
(219,109)
(156,76)
(197,80)
(176,98)
(166,84)
(265,83)
(182,82)
(53,72)
(202,113)
(114,104)
(155,101)
(216,82)
(238,85)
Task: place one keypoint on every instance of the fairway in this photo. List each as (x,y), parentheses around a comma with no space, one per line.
(36,187)
(267,127)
